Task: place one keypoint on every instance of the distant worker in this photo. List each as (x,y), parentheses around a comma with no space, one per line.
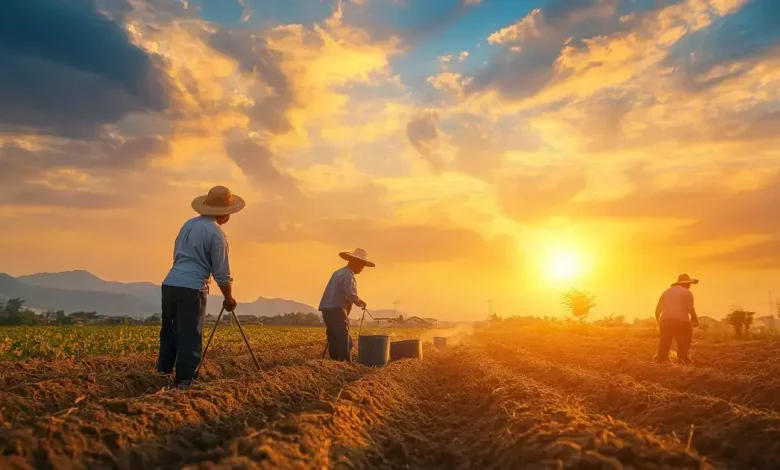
(200,251)
(676,318)
(337,300)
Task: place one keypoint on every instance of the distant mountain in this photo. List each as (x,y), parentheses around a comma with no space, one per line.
(84,284)
(48,298)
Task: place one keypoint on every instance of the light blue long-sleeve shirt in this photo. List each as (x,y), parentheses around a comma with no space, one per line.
(341,291)
(200,251)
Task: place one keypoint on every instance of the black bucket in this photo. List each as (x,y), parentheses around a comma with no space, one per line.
(440,342)
(409,349)
(374,350)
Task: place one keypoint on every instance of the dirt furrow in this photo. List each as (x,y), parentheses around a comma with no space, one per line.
(753,389)
(165,427)
(738,435)
(474,413)
(450,411)
(37,388)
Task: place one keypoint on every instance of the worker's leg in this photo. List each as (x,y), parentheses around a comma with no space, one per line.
(330,318)
(167,356)
(190,318)
(665,341)
(684,337)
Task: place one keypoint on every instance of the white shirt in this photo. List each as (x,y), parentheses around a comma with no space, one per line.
(676,303)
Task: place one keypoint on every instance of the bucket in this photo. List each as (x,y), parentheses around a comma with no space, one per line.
(411,348)
(374,350)
(440,342)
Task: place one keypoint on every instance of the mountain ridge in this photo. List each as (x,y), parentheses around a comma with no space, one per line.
(82,290)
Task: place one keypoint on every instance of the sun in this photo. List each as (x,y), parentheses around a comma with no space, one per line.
(564,266)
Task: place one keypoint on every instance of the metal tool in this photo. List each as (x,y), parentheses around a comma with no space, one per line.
(214,330)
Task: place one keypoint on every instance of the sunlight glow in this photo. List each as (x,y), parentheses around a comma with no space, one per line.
(565,266)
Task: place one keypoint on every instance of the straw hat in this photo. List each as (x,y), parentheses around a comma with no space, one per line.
(685,279)
(219,201)
(358,255)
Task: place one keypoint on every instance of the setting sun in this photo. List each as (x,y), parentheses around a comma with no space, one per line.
(565,266)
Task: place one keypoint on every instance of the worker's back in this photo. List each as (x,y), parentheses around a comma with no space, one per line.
(676,303)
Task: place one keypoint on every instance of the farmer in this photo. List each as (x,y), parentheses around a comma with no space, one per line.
(337,300)
(200,251)
(676,318)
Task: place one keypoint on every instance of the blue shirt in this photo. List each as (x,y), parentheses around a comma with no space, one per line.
(200,251)
(341,291)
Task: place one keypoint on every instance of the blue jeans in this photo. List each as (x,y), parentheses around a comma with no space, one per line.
(337,330)
(181,334)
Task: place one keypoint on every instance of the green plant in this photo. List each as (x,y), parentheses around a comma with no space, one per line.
(740,320)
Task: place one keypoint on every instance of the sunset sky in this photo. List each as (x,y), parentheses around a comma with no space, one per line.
(477,149)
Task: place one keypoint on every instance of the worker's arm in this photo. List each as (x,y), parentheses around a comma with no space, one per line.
(350,288)
(692,310)
(659,309)
(220,266)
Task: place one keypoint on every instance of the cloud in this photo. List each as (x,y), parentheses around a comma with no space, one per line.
(71,79)
(531,196)
(423,135)
(257,162)
(764,255)
(744,35)
(529,49)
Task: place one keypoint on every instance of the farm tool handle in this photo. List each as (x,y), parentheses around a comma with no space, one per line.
(214,330)
(246,340)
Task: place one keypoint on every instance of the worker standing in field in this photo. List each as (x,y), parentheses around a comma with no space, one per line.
(200,252)
(337,300)
(676,317)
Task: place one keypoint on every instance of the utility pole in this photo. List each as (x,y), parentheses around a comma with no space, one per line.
(490,309)
(395,307)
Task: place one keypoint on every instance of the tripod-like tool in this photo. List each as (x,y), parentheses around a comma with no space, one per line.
(246,341)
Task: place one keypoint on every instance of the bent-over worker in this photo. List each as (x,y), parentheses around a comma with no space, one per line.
(200,251)
(676,318)
(337,300)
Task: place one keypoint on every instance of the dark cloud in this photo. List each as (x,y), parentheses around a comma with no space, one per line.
(67,69)
(744,35)
(257,162)
(108,153)
(41,195)
(250,50)
(524,63)
(423,135)
(764,255)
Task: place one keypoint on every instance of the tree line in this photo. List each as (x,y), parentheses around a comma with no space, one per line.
(13,312)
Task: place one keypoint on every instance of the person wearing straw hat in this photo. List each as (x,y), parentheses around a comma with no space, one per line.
(676,317)
(200,252)
(337,300)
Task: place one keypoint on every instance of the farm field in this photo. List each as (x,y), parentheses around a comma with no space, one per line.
(523,397)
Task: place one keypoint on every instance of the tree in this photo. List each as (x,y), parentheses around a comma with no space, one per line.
(741,320)
(777,307)
(578,302)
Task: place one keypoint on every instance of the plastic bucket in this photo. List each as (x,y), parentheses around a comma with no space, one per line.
(374,350)
(440,342)
(409,349)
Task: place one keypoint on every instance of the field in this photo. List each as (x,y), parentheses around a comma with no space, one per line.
(526,397)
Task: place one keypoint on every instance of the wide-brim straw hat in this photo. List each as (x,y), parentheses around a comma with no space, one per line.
(684,279)
(358,255)
(219,201)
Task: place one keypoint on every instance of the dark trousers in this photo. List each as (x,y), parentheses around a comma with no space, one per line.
(679,331)
(181,334)
(337,330)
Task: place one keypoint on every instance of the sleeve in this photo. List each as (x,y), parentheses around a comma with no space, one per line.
(220,261)
(350,289)
(659,308)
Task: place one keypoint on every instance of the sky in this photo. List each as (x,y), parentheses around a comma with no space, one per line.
(479,150)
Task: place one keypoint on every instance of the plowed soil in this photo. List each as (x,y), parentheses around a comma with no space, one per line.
(525,398)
